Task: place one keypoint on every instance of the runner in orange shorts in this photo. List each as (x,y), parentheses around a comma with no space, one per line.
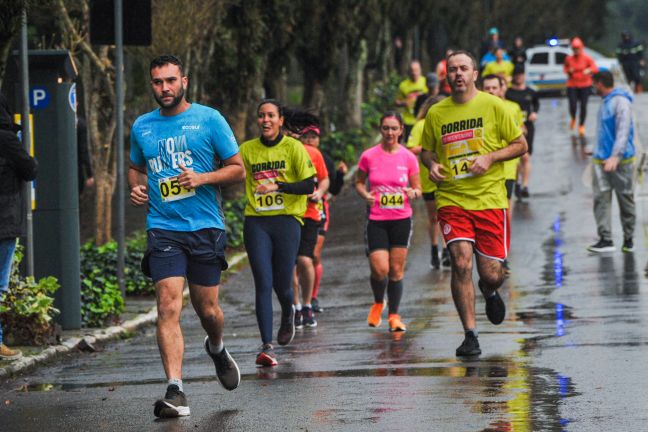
(466,138)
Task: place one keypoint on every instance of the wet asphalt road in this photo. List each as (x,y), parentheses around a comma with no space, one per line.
(570,355)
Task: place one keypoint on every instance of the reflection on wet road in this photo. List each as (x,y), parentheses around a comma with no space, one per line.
(569,356)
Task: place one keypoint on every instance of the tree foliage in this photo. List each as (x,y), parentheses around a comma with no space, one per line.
(327,55)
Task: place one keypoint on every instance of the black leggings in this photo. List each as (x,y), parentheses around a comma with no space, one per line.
(271,243)
(575,95)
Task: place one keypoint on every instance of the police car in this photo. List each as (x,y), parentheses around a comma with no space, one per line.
(544,65)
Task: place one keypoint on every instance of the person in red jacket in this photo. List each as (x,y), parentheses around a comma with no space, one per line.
(579,69)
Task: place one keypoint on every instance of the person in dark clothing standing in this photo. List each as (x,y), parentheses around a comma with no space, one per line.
(630,55)
(530,104)
(518,52)
(16,167)
(86,178)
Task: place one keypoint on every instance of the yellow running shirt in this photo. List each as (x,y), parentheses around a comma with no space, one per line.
(510,166)
(287,162)
(414,140)
(457,134)
(413,89)
(503,69)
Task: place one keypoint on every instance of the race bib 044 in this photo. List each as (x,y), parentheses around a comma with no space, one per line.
(170,190)
(392,200)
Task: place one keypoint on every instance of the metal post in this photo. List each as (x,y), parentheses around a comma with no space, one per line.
(119,116)
(26,140)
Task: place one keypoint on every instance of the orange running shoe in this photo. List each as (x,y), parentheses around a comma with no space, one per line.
(395,323)
(572,124)
(581,130)
(374,319)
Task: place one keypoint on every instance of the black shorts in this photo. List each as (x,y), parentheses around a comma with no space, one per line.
(510,184)
(530,135)
(429,196)
(322,229)
(384,235)
(308,238)
(197,255)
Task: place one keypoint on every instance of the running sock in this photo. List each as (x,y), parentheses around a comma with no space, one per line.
(215,349)
(307,306)
(378,288)
(394,295)
(318,277)
(298,307)
(473,331)
(177,382)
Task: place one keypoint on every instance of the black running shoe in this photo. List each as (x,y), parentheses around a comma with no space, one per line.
(174,404)
(309,317)
(227,371)
(435,263)
(469,346)
(524,193)
(316,306)
(286,331)
(518,190)
(602,246)
(299,319)
(495,307)
(445,259)
(628,245)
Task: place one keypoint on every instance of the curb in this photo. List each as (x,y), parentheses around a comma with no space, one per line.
(99,335)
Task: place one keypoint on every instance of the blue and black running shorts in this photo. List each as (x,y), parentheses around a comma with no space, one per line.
(197,255)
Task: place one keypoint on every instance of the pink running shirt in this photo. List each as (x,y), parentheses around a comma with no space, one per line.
(388,174)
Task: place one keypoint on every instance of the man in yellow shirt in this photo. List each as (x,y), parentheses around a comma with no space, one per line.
(496,85)
(408,90)
(500,67)
(466,138)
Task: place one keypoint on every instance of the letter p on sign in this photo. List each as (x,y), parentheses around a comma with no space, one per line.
(39,98)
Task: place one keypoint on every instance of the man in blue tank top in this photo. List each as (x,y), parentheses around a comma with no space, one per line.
(180,155)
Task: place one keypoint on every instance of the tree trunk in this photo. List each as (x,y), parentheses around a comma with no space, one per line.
(238,119)
(352,97)
(103,208)
(386,53)
(313,93)
(406,52)
(275,81)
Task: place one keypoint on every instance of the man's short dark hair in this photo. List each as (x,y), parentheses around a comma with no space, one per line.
(165,60)
(502,81)
(604,77)
(466,53)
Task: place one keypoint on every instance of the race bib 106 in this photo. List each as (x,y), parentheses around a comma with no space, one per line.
(269,202)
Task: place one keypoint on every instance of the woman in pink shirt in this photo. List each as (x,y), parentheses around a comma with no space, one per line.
(392,174)
(579,69)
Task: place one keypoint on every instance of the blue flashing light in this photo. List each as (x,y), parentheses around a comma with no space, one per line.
(552,42)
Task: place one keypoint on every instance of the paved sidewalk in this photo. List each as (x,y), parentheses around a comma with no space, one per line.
(139,313)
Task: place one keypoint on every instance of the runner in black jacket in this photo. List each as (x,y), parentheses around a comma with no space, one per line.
(530,105)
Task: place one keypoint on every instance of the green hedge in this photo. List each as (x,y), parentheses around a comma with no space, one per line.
(27,308)
(234,219)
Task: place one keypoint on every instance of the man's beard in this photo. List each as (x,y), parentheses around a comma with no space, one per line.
(174,103)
